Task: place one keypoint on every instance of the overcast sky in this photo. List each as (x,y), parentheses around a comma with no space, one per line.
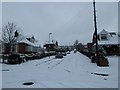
(67,22)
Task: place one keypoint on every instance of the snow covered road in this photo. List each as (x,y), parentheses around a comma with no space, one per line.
(73,71)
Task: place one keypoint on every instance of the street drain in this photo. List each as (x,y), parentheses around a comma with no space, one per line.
(28,83)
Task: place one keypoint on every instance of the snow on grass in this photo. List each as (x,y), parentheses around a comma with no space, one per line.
(73,71)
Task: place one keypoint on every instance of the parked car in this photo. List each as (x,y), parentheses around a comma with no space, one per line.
(64,53)
(14,59)
(68,52)
(59,55)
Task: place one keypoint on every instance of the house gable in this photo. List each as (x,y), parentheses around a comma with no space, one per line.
(103,35)
(31,39)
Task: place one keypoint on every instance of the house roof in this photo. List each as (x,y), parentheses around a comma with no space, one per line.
(51,42)
(103,32)
(23,39)
(28,42)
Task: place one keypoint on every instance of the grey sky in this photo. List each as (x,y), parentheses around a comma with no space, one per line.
(67,22)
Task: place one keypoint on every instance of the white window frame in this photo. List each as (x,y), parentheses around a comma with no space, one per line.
(104,35)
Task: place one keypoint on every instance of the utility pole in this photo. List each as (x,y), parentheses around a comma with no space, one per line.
(96,39)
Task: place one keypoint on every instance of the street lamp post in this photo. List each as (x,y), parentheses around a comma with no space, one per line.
(49,37)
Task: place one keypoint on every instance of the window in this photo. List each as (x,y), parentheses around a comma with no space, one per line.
(103,36)
(15,48)
(35,49)
(1,48)
(28,48)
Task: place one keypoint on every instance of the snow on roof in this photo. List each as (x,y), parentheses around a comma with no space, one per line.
(112,40)
(103,32)
(51,42)
(23,39)
(28,42)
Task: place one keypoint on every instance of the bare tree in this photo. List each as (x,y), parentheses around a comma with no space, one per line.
(9,34)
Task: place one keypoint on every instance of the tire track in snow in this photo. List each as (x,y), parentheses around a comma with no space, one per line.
(66,86)
(45,62)
(43,85)
(56,64)
(67,70)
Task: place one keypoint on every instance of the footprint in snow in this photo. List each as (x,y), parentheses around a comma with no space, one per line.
(68,70)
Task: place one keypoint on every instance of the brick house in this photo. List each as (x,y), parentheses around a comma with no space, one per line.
(24,45)
(51,46)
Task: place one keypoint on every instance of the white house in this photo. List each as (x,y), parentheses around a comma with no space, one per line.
(108,38)
(109,41)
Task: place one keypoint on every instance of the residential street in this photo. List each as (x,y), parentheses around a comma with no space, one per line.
(73,71)
(59,44)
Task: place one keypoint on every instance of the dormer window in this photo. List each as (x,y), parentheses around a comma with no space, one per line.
(104,37)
